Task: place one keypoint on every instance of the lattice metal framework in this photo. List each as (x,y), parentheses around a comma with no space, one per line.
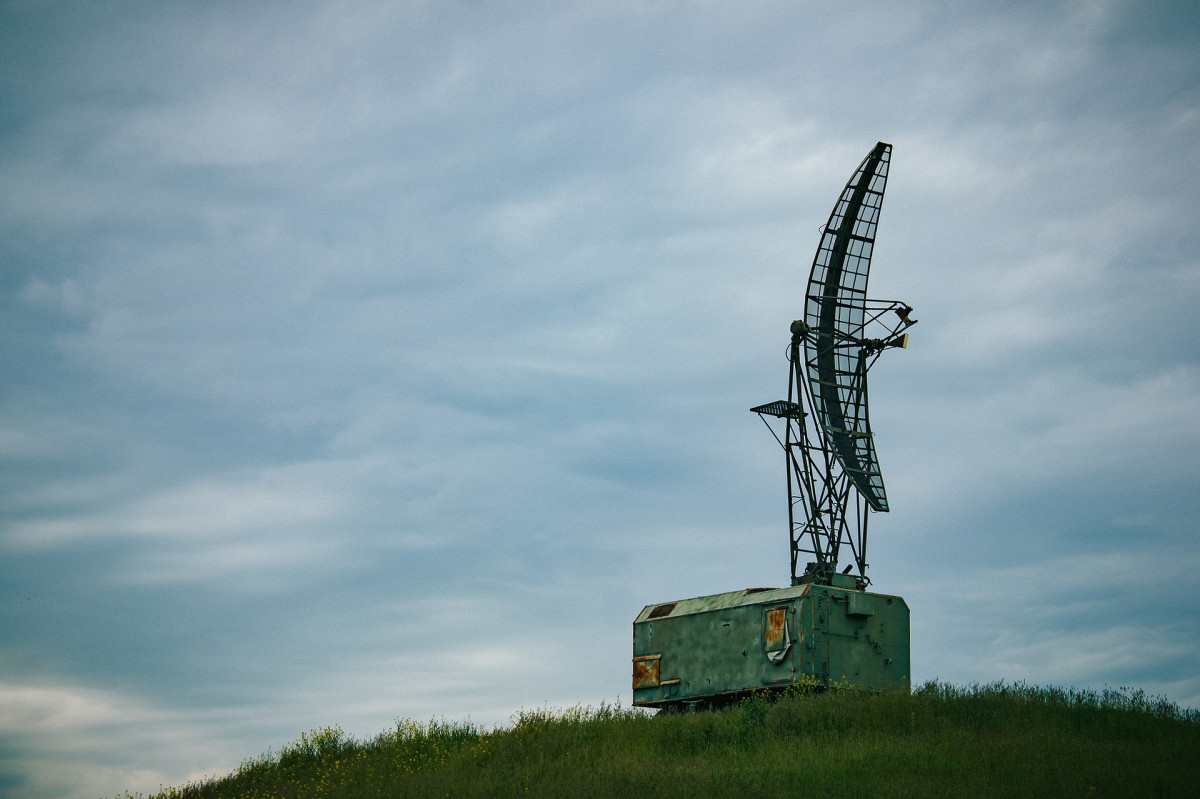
(834,310)
(827,436)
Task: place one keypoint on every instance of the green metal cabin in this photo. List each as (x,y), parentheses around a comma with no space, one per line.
(703,651)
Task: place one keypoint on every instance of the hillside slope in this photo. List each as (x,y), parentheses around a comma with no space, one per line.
(994,740)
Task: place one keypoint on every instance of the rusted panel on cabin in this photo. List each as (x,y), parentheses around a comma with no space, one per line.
(776,625)
(777,644)
(646,671)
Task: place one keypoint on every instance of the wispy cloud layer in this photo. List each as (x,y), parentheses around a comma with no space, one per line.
(381,360)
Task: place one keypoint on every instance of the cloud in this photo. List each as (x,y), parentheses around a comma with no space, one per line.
(386,360)
(1060,641)
(71,741)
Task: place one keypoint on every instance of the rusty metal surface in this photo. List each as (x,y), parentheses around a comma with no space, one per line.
(776,625)
(646,671)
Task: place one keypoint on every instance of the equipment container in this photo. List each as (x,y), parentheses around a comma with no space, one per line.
(714,649)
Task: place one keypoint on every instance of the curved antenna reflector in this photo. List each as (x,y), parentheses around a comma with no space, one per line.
(835,310)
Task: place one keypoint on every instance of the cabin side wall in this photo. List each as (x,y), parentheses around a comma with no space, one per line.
(827,636)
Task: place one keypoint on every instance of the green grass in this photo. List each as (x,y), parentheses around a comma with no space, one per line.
(983,741)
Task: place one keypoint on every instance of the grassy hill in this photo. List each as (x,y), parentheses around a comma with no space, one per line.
(984,741)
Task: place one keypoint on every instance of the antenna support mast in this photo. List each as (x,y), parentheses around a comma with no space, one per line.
(833,476)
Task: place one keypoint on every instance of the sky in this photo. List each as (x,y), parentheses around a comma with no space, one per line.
(365,361)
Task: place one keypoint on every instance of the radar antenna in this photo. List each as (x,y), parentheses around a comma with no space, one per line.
(833,475)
